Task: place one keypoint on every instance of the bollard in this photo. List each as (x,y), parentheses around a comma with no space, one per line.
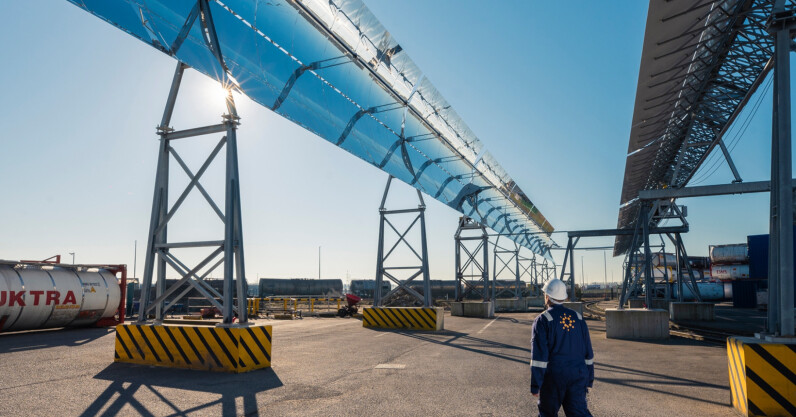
(284,300)
(312,305)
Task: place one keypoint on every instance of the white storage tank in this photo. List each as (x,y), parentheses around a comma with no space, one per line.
(729,254)
(725,272)
(37,297)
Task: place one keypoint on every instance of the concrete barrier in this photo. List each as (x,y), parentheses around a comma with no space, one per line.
(511,304)
(762,376)
(535,301)
(574,305)
(409,318)
(481,309)
(636,324)
(691,311)
(224,349)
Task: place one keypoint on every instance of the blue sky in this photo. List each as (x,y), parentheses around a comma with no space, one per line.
(548,87)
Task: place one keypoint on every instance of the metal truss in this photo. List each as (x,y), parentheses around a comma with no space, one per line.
(732,53)
(467,283)
(638,263)
(385,271)
(528,268)
(506,264)
(228,250)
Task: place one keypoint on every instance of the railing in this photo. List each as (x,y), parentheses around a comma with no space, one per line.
(294,305)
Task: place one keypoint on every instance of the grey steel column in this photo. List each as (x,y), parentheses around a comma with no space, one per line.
(159,203)
(380,257)
(236,241)
(627,279)
(571,271)
(458,293)
(678,259)
(649,282)
(424,249)
(518,292)
(783,174)
(485,272)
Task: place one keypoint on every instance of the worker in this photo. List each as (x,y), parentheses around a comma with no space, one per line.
(562,361)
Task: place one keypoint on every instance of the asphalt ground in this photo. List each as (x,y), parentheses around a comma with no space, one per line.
(331,367)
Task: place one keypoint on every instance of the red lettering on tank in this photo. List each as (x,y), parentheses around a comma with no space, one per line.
(16,298)
(36,295)
(3,297)
(70,298)
(52,297)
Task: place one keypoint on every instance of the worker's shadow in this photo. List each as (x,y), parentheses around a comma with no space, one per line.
(136,386)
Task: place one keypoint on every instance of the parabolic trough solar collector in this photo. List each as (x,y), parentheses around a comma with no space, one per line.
(330,66)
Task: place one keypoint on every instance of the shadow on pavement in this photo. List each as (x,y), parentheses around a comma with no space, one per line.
(127,380)
(41,339)
(469,343)
(654,379)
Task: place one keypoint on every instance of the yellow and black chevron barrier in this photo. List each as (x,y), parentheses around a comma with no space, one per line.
(411,318)
(235,349)
(762,376)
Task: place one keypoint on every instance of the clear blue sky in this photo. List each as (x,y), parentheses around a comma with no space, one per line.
(549,88)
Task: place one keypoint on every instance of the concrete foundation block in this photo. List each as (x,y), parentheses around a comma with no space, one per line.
(574,305)
(761,376)
(408,318)
(636,303)
(535,301)
(636,324)
(234,349)
(511,304)
(691,311)
(481,309)
(641,303)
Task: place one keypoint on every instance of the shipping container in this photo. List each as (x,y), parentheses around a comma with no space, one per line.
(699,262)
(710,291)
(40,298)
(659,259)
(365,287)
(758,256)
(737,253)
(744,293)
(301,286)
(731,272)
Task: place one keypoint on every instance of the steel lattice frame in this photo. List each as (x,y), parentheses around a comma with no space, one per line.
(723,58)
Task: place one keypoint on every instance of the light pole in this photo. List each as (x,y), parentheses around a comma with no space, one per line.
(73,257)
(605,275)
(135,256)
(582,275)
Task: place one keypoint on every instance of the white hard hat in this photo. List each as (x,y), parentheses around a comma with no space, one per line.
(555,289)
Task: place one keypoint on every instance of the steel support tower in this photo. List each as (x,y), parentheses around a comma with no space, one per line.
(467,282)
(227,251)
(506,262)
(383,270)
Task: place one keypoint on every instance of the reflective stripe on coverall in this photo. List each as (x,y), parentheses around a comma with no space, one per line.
(562,362)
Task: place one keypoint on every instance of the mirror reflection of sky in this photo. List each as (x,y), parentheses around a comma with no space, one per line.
(548,88)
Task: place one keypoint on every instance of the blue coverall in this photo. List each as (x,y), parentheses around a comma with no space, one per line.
(562,362)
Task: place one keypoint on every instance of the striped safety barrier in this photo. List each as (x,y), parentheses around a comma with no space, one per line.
(762,376)
(226,349)
(411,318)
